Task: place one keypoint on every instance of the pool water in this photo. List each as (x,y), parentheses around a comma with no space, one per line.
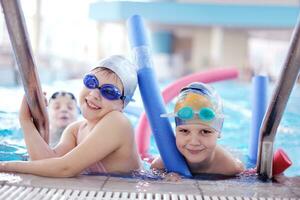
(235,135)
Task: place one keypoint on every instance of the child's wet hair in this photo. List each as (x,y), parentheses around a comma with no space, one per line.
(108,73)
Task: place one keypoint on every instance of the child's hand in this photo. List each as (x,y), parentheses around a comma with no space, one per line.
(172,177)
(157,163)
(24,113)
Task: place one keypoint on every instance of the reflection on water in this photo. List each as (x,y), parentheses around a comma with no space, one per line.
(10,151)
(248,177)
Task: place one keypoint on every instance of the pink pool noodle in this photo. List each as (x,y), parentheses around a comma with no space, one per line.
(171,91)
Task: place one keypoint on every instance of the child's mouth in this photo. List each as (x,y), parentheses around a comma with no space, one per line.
(64,118)
(91,105)
(195,151)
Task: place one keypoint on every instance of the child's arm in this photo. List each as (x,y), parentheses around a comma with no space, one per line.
(104,139)
(36,146)
(157,163)
(227,164)
(47,167)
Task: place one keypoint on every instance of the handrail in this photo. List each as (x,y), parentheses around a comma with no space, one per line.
(20,42)
(277,105)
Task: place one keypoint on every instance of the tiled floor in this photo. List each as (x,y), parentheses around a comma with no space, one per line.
(229,187)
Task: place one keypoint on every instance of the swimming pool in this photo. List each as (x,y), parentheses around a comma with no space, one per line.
(235,135)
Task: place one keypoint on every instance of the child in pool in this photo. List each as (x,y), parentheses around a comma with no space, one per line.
(63,110)
(199,119)
(102,142)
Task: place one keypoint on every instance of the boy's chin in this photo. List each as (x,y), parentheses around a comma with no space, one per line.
(194,159)
(62,125)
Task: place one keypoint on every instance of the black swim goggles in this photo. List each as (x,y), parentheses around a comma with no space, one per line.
(62,93)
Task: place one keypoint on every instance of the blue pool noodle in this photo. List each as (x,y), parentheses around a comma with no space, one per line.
(152,99)
(259,105)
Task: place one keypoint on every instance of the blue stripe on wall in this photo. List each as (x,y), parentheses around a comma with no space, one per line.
(198,14)
(162,42)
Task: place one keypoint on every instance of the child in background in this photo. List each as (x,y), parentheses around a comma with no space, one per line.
(103,142)
(63,110)
(199,118)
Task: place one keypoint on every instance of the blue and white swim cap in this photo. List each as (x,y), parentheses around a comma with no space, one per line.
(199,103)
(125,70)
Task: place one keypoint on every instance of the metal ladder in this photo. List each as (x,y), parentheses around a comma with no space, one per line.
(277,105)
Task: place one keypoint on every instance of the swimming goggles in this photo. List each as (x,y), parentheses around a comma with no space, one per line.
(205,114)
(62,93)
(108,91)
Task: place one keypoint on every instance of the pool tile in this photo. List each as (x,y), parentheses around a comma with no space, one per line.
(9,178)
(135,185)
(186,186)
(79,182)
(248,189)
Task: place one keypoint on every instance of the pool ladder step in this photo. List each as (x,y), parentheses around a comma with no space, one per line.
(11,192)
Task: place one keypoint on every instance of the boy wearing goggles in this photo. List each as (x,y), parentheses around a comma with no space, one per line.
(199,119)
(103,142)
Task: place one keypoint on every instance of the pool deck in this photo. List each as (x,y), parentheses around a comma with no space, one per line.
(186,189)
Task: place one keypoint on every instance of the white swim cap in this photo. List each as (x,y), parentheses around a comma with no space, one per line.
(125,70)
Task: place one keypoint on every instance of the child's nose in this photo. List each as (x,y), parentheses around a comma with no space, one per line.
(64,109)
(95,93)
(194,139)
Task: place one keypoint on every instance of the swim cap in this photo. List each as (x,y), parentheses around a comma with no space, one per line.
(125,70)
(201,99)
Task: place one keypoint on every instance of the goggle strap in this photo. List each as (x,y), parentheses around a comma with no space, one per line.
(167,115)
(122,97)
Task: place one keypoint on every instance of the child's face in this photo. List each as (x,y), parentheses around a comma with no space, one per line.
(196,142)
(62,111)
(92,104)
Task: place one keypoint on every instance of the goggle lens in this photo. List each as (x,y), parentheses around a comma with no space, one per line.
(187,113)
(90,81)
(108,91)
(206,114)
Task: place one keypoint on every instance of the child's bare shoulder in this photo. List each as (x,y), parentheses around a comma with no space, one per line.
(230,164)
(75,125)
(116,123)
(116,118)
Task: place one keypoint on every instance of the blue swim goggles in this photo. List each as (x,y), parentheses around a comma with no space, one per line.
(108,91)
(205,114)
